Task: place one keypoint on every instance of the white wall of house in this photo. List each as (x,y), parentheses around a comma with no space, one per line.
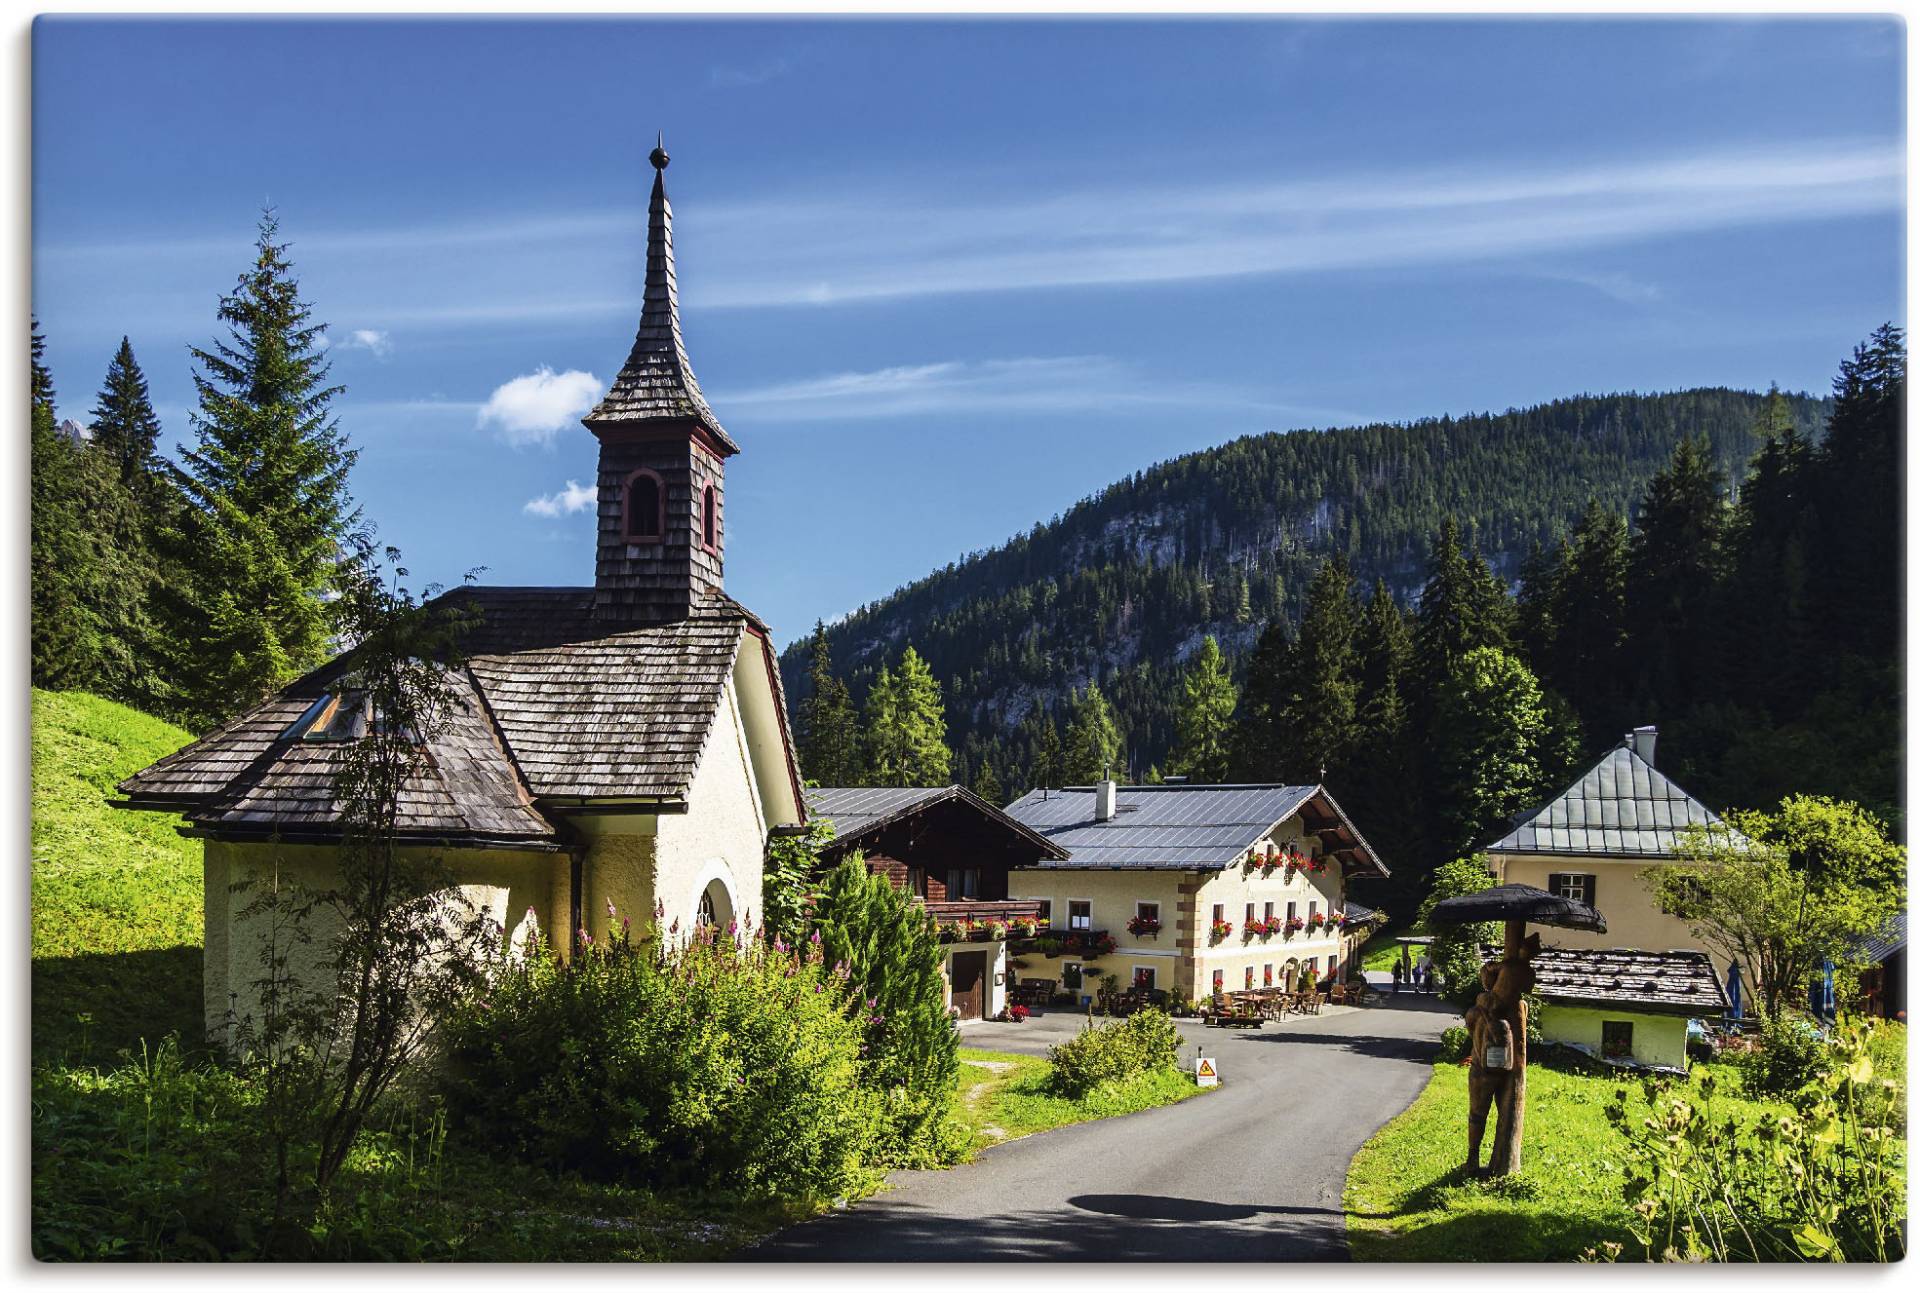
(1620,893)
(1657,1039)
(1182,955)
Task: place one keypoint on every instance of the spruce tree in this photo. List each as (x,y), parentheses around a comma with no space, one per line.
(1257,748)
(1857,542)
(1206,716)
(1590,620)
(258,543)
(87,574)
(986,784)
(1462,608)
(1093,741)
(1320,712)
(829,732)
(1049,759)
(1675,562)
(125,427)
(907,727)
(1382,785)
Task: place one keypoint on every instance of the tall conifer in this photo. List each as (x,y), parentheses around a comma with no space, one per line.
(1093,741)
(1206,716)
(907,727)
(829,731)
(267,516)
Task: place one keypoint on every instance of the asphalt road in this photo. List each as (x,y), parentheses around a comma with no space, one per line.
(1250,1172)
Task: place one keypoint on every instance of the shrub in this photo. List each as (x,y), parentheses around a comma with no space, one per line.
(1790,1054)
(1455,1042)
(1141,1043)
(887,945)
(1824,1182)
(703,1065)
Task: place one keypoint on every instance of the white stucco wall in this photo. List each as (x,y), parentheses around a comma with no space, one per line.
(504,884)
(722,835)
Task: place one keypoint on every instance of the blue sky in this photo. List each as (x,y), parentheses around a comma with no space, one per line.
(942,279)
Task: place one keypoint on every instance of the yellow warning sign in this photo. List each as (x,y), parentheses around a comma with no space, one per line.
(1205,1073)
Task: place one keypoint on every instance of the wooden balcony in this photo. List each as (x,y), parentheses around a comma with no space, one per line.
(978,911)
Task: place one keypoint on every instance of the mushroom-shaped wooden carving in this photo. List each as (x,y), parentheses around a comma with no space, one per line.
(1497,1075)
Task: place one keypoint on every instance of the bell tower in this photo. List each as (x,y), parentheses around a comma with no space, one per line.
(661,543)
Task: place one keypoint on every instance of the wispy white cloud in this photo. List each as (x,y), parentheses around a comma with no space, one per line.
(533,408)
(1053,384)
(1624,288)
(372,340)
(574,498)
(898,239)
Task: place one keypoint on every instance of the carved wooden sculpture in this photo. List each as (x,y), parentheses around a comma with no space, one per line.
(1497,1021)
(1497,1076)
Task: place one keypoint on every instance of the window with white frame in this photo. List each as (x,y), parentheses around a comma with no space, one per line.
(1079,914)
(1571,884)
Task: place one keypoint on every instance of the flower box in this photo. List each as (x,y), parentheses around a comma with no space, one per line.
(1143,927)
(1221,929)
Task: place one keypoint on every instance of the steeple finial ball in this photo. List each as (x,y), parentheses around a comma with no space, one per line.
(659,156)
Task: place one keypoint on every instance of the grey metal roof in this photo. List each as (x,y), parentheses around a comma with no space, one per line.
(1621,807)
(1673,983)
(1164,828)
(657,383)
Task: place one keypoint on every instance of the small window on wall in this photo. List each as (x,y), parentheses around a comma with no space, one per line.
(1046,910)
(1571,884)
(1266,975)
(1313,909)
(1219,913)
(1079,915)
(1070,976)
(1333,967)
(1293,911)
(963,882)
(1249,913)
(1268,913)
(1147,911)
(709,518)
(1616,1039)
(1143,976)
(1249,976)
(1219,980)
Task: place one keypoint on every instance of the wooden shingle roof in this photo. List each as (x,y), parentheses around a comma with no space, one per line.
(1671,983)
(656,384)
(553,709)
(857,811)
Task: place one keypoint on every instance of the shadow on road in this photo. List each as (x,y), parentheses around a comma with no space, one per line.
(1389,1048)
(1093,1228)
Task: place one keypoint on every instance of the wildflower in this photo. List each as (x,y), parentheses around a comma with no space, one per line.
(609,909)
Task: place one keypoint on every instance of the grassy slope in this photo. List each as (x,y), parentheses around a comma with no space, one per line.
(116,895)
(1408,1201)
(1003,1096)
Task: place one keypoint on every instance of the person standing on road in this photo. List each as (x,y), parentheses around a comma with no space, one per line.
(1424,971)
(1396,978)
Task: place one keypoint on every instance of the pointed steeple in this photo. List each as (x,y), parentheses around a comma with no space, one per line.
(656,385)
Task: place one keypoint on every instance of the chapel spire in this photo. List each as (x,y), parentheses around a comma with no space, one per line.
(660,548)
(656,384)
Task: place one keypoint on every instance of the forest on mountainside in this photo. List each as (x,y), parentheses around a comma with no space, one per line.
(1444,621)
(1122,588)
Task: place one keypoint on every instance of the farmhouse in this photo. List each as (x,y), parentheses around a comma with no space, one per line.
(1596,841)
(954,851)
(1193,888)
(622,744)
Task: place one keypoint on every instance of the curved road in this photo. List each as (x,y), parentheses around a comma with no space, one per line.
(1250,1172)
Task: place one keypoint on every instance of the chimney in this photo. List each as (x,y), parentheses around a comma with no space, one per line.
(1640,740)
(1106,797)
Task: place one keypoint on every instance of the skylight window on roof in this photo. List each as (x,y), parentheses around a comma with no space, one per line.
(336,716)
